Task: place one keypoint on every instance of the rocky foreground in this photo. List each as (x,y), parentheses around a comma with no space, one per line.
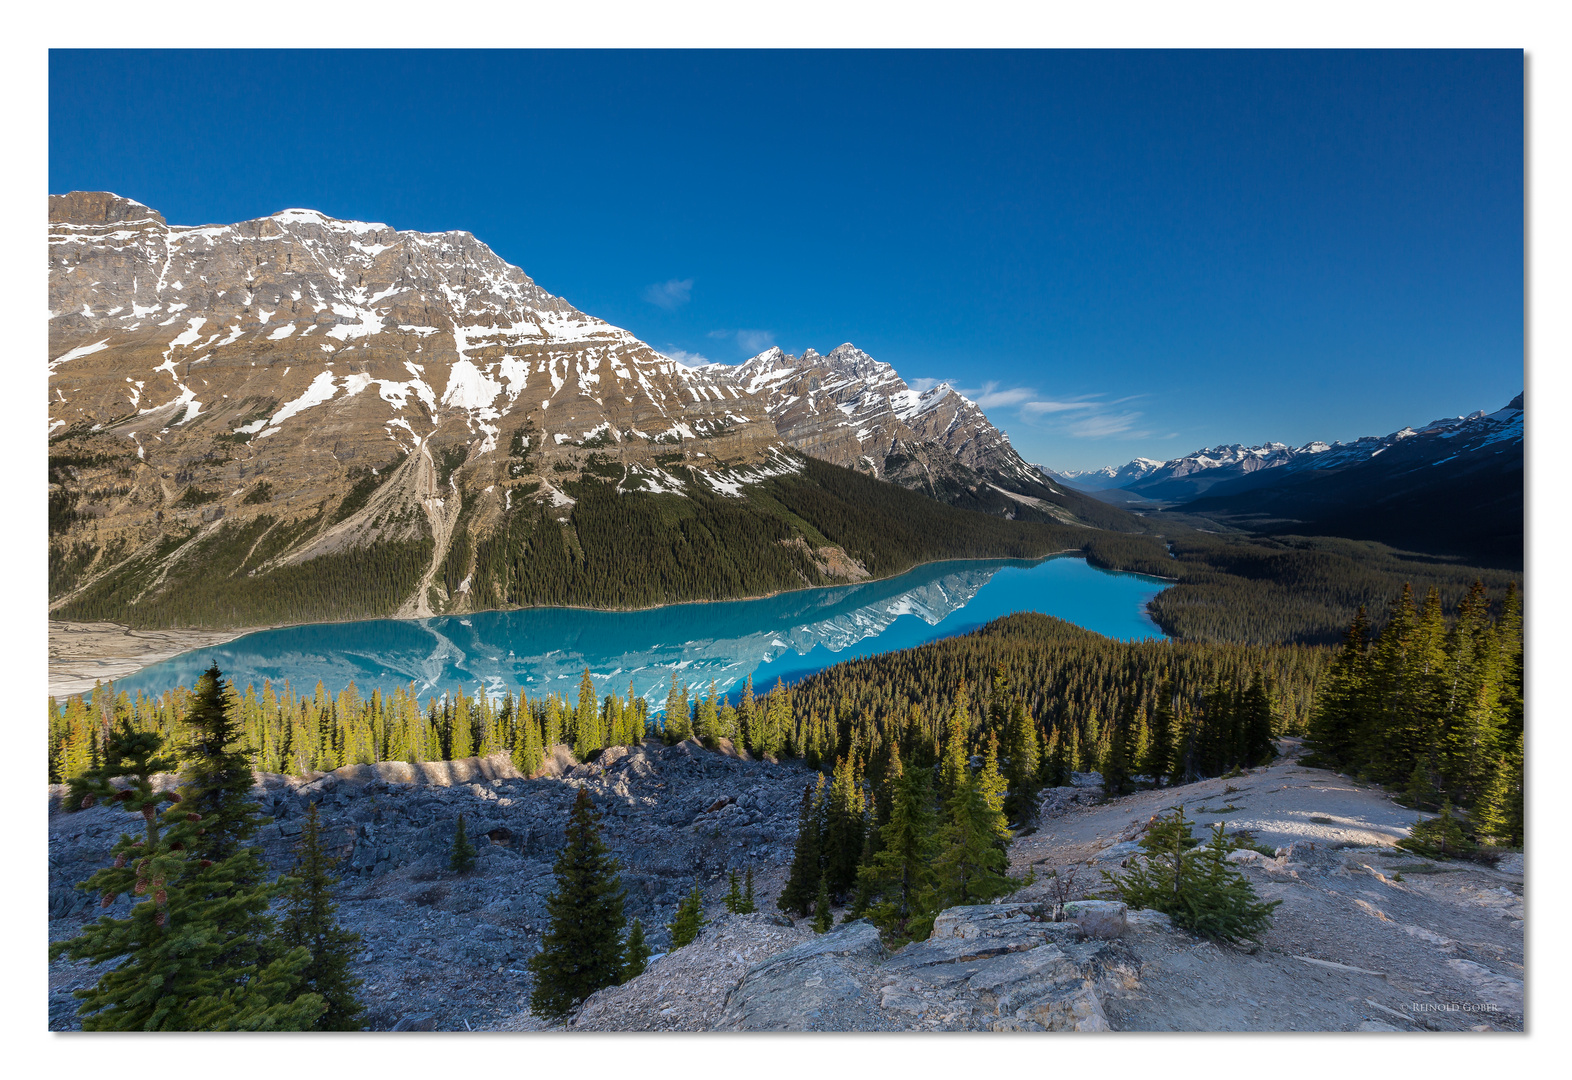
(1367,938)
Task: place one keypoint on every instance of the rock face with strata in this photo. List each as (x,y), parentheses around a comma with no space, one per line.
(363,379)
(848,408)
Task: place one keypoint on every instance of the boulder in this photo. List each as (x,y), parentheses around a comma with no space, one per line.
(1102,919)
(806,988)
(417,1022)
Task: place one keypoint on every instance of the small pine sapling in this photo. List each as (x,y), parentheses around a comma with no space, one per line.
(462,858)
(685,925)
(822,919)
(635,951)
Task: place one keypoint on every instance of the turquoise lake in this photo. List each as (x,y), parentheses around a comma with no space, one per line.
(786,636)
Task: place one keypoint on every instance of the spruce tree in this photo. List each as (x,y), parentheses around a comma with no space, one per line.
(1024,752)
(802,883)
(900,875)
(1116,769)
(636,952)
(748,907)
(588,737)
(955,764)
(844,825)
(528,753)
(169,975)
(1199,889)
(685,925)
(823,919)
(216,783)
(1341,701)
(1157,762)
(973,867)
(1500,814)
(733,899)
(676,726)
(308,923)
(582,951)
(461,857)
(1439,838)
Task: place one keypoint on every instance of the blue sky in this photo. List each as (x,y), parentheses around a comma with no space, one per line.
(1118,254)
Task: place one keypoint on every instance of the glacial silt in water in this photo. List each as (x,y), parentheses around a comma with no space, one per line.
(542,650)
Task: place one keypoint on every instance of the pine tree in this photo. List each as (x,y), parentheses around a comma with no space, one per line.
(217,780)
(685,925)
(1439,838)
(168,976)
(1199,889)
(636,952)
(1023,751)
(843,832)
(677,726)
(748,907)
(461,856)
(588,738)
(823,919)
(973,867)
(1116,769)
(734,895)
(802,883)
(1341,701)
(1500,813)
(582,951)
(308,923)
(1157,762)
(1257,748)
(900,875)
(955,764)
(528,753)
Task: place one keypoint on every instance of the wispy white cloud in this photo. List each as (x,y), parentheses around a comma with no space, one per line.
(1102,425)
(669,294)
(755,341)
(1038,408)
(683,356)
(991,397)
(922,386)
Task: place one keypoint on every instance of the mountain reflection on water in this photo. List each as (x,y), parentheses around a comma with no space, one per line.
(542,650)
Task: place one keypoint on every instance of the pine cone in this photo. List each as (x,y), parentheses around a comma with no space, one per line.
(140,888)
(161,897)
(107,899)
(87,801)
(158,920)
(147,812)
(193,817)
(120,861)
(177,846)
(172,796)
(205,863)
(122,796)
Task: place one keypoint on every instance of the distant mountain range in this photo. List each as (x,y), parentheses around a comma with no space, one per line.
(1454,486)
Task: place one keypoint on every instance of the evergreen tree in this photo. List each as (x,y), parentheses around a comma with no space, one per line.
(1439,838)
(802,883)
(1341,701)
(685,925)
(823,919)
(636,952)
(308,923)
(973,867)
(1157,762)
(955,765)
(461,858)
(1116,769)
(588,738)
(843,831)
(1199,889)
(734,895)
(217,780)
(1024,753)
(1257,748)
(676,727)
(582,950)
(748,907)
(900,875)
(528,753)
(1500,813)
(168,975)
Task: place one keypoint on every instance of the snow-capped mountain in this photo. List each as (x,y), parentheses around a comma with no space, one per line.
(1197,473)
(1109,476)
(848,408)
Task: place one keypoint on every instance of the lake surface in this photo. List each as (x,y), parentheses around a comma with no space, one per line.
(547,649)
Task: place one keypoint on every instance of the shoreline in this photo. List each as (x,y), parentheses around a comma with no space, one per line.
(81,654)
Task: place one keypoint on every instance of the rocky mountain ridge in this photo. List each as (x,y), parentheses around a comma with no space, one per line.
(388,422)
(1194,474)
(850,409)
